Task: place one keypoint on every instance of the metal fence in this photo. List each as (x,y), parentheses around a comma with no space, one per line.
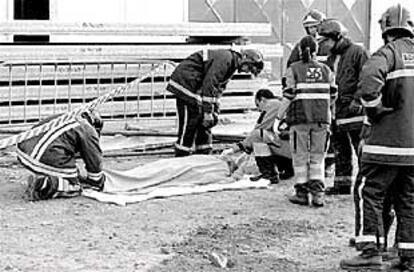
(33,90)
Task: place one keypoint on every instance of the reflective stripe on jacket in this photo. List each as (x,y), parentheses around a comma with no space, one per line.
(201,78)
(54,152)
(310,87)
(387,82)
(347,60)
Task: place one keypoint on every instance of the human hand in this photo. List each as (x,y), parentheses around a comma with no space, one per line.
(227,152)
(375,114)
(355,107)
(209,120)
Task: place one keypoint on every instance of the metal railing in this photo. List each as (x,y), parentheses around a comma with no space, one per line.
(33,90)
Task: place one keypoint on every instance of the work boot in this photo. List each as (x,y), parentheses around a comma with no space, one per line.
(390,254)
(338,190)
(300,197)
(284,165)
(286,175)
(256,178)
(365,262)
(404,264)
(267,170)
(318,199)
(41,187)
(352,242)
(273,179)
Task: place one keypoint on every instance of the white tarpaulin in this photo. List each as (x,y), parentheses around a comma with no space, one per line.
(170,177)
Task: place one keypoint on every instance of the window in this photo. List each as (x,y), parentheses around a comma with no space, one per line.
(31,10)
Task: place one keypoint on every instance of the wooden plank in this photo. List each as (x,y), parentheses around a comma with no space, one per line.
(90,91)
(99,53)
(37,27)
(115,108)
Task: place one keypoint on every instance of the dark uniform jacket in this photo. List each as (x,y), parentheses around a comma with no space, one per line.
(295,55)
(387,81)
(53,153)
(349,58)
(201,78)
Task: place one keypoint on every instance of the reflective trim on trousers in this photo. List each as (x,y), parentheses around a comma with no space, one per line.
(361,208)
(301,174)
(317,171)
(204,147)
(65,186)
(183,148)
(366,239)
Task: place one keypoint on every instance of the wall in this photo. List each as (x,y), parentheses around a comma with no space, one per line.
(378,8)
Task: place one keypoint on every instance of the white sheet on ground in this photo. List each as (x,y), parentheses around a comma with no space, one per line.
(170,177)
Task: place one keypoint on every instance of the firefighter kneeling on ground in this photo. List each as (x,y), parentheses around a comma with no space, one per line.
(51,157)
(271,158)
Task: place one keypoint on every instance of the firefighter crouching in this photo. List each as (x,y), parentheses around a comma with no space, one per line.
(271,154)
(51,157)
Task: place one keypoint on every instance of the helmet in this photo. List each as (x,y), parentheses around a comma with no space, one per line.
(396,18)
(254,59)
(332,28)
(313,18)
(94,119)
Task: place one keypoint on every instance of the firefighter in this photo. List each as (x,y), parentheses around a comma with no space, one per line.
(198,83)
(263,142)
(387,158)
(311,22)
(50,156)
(346,60)
(307,102)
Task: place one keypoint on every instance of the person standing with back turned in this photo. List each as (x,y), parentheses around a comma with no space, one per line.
(307,99)
(387,161)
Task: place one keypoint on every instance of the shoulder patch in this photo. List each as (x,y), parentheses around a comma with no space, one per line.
(408,59)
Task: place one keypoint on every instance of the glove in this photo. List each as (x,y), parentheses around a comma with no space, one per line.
(355,107)
(209,120)
(227,152)
(375,114)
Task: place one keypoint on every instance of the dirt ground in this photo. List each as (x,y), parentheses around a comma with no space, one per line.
(256,230)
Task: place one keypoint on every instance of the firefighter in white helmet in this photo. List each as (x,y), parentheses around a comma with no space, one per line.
(311,22)
(387,160)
